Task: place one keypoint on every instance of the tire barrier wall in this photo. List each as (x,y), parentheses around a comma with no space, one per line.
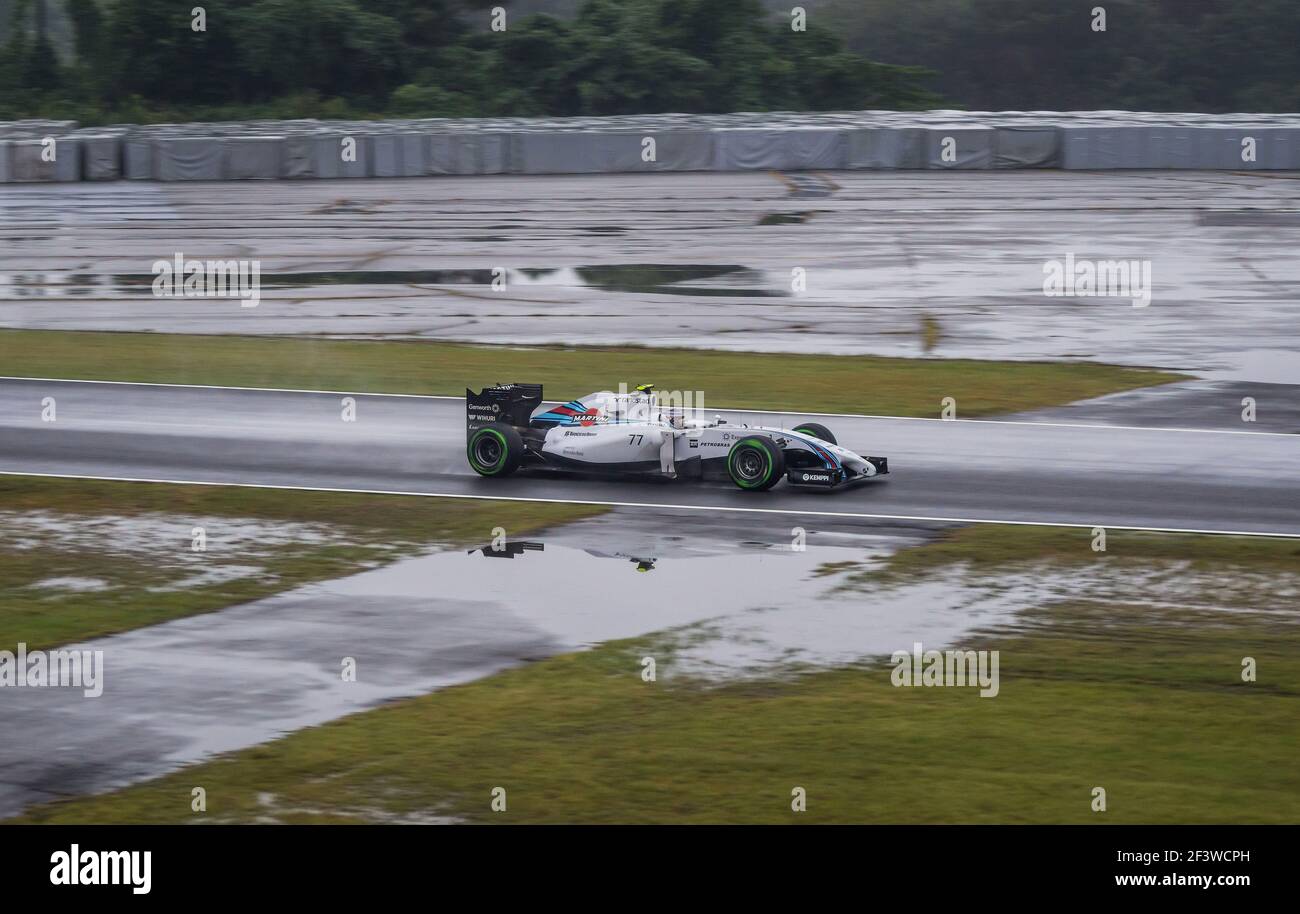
(42,151)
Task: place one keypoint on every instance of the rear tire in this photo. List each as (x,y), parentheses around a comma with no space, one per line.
(817,431)
(755,464)
(495,450)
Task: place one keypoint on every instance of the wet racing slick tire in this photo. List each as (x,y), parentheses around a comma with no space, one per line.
(817,431)
(755,463)
(495,450)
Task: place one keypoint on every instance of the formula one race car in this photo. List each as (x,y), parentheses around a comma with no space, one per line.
(633,433)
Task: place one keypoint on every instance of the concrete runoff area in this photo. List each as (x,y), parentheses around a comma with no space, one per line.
(622,259)
(940,470)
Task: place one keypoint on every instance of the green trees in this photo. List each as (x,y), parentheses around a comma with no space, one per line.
(141,59)
(145,59)
(650,56)
(1188,55)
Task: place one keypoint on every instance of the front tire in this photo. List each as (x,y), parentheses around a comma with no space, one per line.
(817,431)
(755,464)
(495,450)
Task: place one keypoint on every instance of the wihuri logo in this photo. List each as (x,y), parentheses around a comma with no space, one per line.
(53,669)
(78,867)
(946,668)
(181,278)
(1098,279)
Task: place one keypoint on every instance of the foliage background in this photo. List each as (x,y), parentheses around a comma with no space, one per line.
(140,61)
(104,61)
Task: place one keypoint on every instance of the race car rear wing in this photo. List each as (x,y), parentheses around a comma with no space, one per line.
(509,403)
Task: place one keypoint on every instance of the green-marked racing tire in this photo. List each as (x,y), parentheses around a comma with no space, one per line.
(495,450)
(755,464)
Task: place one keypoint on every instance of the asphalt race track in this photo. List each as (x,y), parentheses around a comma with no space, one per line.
(1196,480)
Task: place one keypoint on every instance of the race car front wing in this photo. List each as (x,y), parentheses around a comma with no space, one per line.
(828,479)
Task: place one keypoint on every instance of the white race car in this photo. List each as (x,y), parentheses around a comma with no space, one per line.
(608,433)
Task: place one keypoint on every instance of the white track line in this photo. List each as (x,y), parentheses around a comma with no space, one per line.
(672,507)
(722,409)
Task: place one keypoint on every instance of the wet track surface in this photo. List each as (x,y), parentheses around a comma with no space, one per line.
(1204,480)
(664,260)
(692,260)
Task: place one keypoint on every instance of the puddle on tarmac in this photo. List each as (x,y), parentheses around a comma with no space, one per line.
(786,218)
(749,610)
(1266,366)
(664,279)
(1254,218)
(254,672)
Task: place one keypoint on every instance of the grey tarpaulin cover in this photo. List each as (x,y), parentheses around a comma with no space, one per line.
(69,159)
(469,153)
(400,155)
(27,159)
(26,164)
(1026,147)
(576,153)
(785,140)
(328,151)
(137,157)
(741,150)
(68,166)
(1278,148)
(885,147)
(681,150)
(187,158)
(296,159)
(1104,147)
(101,156)
(252,157)
(957,146)
(453,154)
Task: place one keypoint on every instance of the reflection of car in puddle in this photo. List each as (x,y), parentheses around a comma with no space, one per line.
(510,550)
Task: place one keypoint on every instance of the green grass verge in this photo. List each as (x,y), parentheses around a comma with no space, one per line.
(147,586)
(993,548)
(809,383)
(1145,700)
